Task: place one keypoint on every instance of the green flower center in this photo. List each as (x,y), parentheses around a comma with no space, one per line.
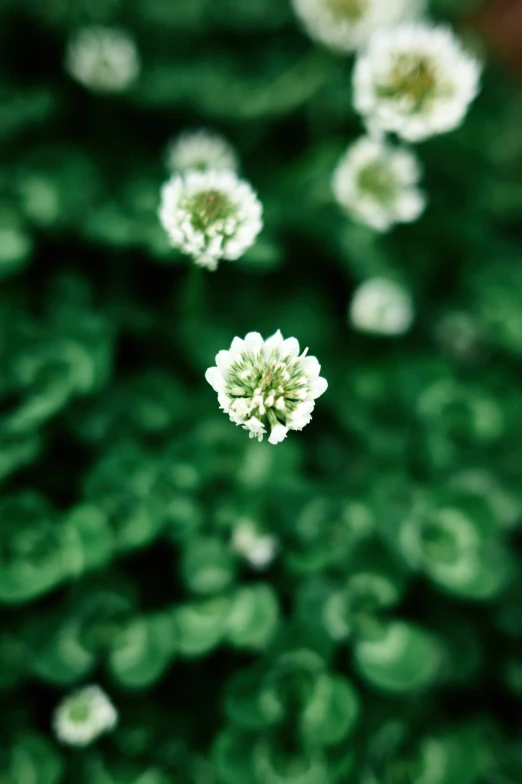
(412,78)
(352,10)
(209,207)
(79,711)
(377,180)
(278,382)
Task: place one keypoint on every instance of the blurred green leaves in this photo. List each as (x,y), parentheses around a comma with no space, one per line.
(381,643)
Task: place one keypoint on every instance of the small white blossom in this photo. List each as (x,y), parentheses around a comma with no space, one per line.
(257,548)
(202,150)
(344,25)
(104,59)
(84,715)
(377,184)
(210,215)
(381,306)
(416,80)
(267,386)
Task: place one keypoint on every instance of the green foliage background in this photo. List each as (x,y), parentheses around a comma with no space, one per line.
(383,644)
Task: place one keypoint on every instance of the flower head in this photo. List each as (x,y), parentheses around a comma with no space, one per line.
(257,548)
(104,59)
(381,306)
(344,25)
(201,150)
(83,716)
(267,386)
(377,184)
(416,80)
(210,215)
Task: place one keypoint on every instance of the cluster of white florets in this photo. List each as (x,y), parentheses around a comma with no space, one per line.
(83,716)
(377,184)
(210,215)
(267,386)
(345,25)
(103,59)
(411,78)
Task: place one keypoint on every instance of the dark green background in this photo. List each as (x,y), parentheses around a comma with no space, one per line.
(122,481)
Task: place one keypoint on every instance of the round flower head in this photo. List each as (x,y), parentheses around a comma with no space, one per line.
(104,59)
(201,150)
(381,306)
(257,548)
(377,184)
(416,80)
(267,386)
(210,215)
(83,716)
(344,25)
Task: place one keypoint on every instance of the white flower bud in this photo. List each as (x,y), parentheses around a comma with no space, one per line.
(104,59)
(84,715)
(377,184)
(381,306)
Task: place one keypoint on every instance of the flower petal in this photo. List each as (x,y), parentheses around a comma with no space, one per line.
(215,379)
(254,341)
(290,347)
(273,343)
(223,361)
(319,386)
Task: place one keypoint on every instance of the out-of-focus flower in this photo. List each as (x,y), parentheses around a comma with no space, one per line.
(381,306)
(210,215)
(257,548)
(104,59)
(202,150)
(267,386)
(344,25)
(84,715)
(416,80)
(377,184)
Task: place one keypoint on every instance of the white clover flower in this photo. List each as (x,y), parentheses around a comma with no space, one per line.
(344,25)
(210,215)
(104,59)
(381,306)
(202,150)
(416,80)
(257,548)
(266,385)
(83,716)
(377,184)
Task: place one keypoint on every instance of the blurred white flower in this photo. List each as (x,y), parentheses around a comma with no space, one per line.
(344,25)
(257,548)
(416,80)
(202,150)
(104,59)
(381,306)
(83,716)
(377,184)
(210,215)
(267,385)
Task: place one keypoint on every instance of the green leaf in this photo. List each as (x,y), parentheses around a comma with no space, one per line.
(253,618)
(143,650)
(330,712)
(207,565)
(399,658)
(201,626)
